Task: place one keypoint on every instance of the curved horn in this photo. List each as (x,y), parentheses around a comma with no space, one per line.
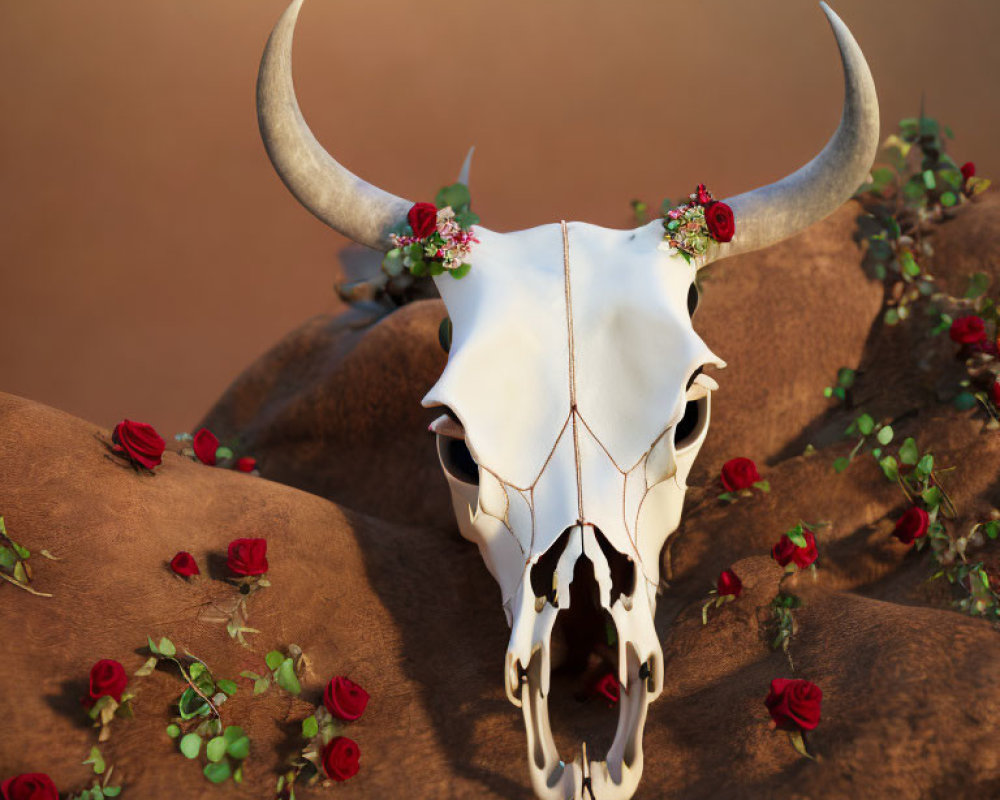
(463,174)
(340,198)
(772,213)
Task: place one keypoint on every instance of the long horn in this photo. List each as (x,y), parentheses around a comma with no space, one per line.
(463,174)
(340,198)
(782,209)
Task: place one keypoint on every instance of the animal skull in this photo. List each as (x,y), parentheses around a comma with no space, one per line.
(576,399)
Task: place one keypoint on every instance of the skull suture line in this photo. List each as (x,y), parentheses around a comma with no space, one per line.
(576,397)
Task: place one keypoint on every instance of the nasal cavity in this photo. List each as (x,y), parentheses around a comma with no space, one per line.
(543,571)
(622,568)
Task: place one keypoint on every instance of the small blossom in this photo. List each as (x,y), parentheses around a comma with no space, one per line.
(739,473)
(340,758)
(729,583)
(968,330)
(786,551)
(247,556)
(138,442)
(912,525)
(107,678)
(345,699)
(205,444)
(184,565)
(246,464)
(968,170)
(794,704)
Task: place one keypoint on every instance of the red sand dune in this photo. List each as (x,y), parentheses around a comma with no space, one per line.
(388,594)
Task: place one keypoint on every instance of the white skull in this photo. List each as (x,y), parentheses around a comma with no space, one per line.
(576,396)
(574,379)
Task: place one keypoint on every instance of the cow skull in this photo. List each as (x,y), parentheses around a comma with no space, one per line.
(576,399)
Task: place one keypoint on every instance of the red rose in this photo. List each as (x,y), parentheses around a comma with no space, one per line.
(912,525)
(995,393)
(967,330)
(794,703)
(29,786)
(783,551)
(702,196)
(345,699)
(246,464)
(729,583)
(786,551)
(423,219)
(184,565)
(205,444)
(739,473)
(609,687)
(968,170)
(340,758)
(138,442)
(248,556)
(107,678)
(721,223)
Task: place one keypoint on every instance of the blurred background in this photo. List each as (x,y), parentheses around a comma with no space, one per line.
(149,252)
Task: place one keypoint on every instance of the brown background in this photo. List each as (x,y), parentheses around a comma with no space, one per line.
(149,253)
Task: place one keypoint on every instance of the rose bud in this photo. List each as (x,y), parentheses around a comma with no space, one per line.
(739,473)
(245,464)
(340,758)
(968,170)
(345,699)
(247,556)
(804,556)
(107,678)
(967,330)
(609,688)
(423,219)
(702,196)
(995,393)
(912,525)
(720,220)
(184,565)
(783,551)
(729,583)
(138,442)
(205,444)
(794,703)
(29,786)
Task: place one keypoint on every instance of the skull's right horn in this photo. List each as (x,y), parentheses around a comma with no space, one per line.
(775,212)
(340,198)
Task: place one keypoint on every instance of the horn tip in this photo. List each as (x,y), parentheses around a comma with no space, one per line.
(463,175)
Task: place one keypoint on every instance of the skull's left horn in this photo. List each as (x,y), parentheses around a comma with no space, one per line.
(337,196)
(775,212)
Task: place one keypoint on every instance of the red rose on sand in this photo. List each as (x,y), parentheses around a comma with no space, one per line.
(967,330)
(345,699)
(246,464)
(912,525)
(729,583)
(184,565)
(423,219)
(702,196)
(786,551)
(340,758)
(609,688)
(968,170)
(995,393)
(205,444)
(721,223)
(794,703)
(29,786)
(739,473)
(107,678)
(138,442)
(248,556)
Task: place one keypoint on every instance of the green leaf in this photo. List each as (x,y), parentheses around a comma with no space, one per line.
(929,181)
(7,558)
(978,284)
(286,678)
(166,647)
(23,552)
(456,195)
(274,659)
(845,377)
(310,727)
(889,467)
(217,773)
(932,497)
(964,401)
(215,750)
(191,745)
(877,453)
(19,573)
(993,529)
(884,435)
(891,316)
(828,392)
(914,188)
(191,704)
(240,748)
(97,760)
(764,486)
(461,271)
(392,263)
(865,424)
(840,464)
(233,732)
(466,219)
(112,791)
(260,686)
(948,199)
(196,670)
(173,731)
(926,464)
(908,453)
(152,646)
(909,264)
(147,668)
(223,453)
(238,777)
(227,686)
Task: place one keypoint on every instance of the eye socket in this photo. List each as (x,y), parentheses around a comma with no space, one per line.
(692,423)
(457,460)
(694,297)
